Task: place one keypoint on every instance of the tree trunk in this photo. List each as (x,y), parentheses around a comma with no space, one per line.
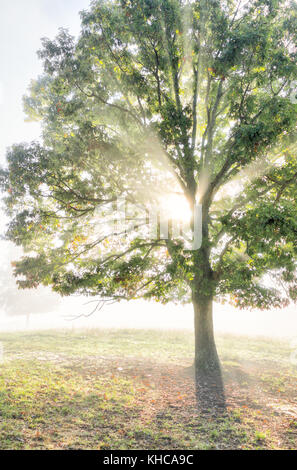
(208,376)
(206,356)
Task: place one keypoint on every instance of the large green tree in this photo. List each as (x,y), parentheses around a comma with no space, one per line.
(155,97)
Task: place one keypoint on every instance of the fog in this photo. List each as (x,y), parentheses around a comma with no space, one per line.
(22,26)
(140,314)
(39,309)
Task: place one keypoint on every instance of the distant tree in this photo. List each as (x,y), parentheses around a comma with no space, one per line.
(155,97)
(14,301)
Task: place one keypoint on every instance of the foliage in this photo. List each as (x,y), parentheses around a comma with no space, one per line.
(160,96)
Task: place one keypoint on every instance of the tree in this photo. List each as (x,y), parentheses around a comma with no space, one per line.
(161,96)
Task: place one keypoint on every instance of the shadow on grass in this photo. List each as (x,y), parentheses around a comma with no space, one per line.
(209,391)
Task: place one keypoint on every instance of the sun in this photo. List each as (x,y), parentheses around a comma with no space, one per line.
(176,207)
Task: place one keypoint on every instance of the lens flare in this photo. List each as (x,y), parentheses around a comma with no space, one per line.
(176,207)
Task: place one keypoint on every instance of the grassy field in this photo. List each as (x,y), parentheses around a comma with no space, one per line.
(131,389)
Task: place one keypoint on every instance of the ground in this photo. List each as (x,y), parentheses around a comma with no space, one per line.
(132,389)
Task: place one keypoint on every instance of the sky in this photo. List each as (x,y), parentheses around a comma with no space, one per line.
(22,24)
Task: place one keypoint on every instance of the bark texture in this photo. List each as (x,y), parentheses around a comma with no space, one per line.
(208,374)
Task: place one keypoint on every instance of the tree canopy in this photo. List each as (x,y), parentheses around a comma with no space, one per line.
(158,97)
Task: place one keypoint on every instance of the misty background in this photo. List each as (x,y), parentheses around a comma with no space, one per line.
(22,24)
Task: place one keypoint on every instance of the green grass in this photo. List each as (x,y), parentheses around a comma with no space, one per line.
(131,389)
